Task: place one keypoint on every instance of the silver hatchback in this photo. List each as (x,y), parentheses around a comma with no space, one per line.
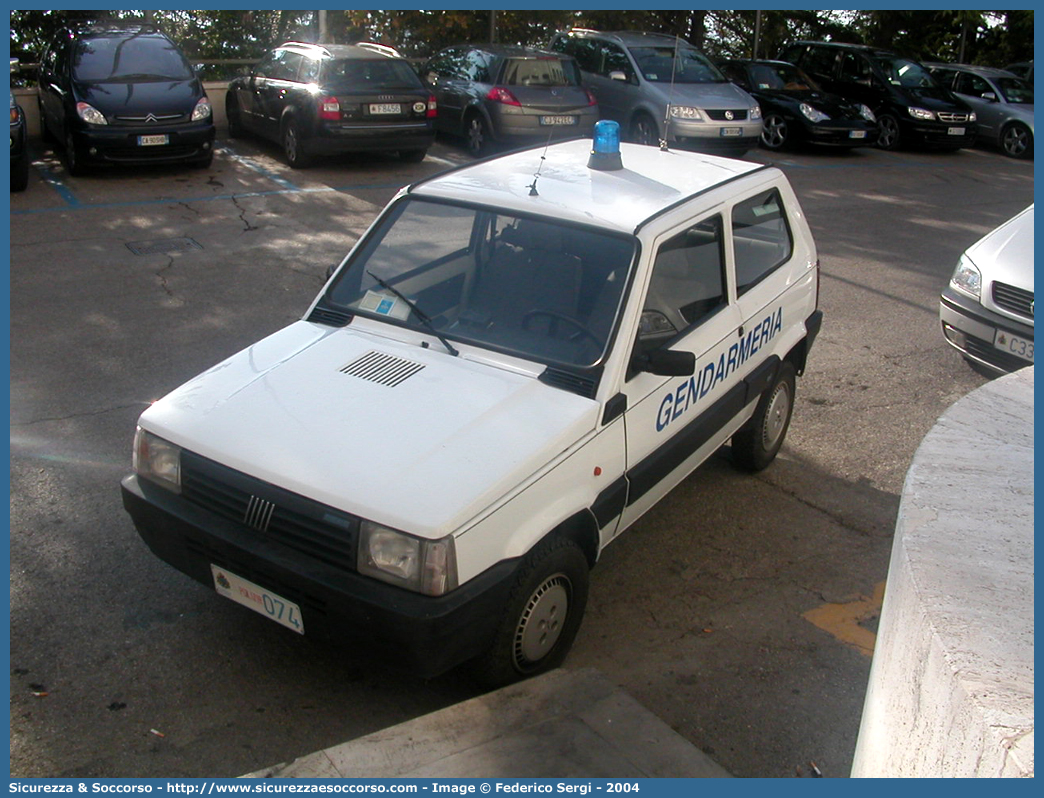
(1002,101)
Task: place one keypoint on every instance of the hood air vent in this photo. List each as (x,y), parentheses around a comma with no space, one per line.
(382,369)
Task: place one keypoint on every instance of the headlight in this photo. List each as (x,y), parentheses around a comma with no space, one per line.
(813,114)
(921,113)
(866,113)
(972,117)
(202,110)
(157,460)
(90,114)
(423,566)
(755,112)
(686,112)
(966,277)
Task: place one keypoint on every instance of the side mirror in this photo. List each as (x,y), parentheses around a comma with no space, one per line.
(668,363)
(990,97)
(331,269)
(617,74)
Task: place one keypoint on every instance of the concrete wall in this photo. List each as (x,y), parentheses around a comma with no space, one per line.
(951,685)
(215,91)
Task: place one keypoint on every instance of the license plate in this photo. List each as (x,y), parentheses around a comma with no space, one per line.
(857,134)
(257,598)
(152,141)
(385,108)
(1014,345)
(558,120)
(732,131)
(955,131)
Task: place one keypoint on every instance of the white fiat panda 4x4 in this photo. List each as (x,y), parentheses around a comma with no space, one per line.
(515,362)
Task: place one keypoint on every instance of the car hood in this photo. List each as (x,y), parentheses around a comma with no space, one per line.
(131,98)
(1006,254)
(829,104)
(933,99)
(424,455)
(705,95)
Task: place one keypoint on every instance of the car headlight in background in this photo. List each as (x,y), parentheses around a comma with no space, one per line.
(966,277)
(423,566)
(812,114)
(686,112)
(755,112)
(921,113)
(866,113)
(90,114)
(202,110)
(157,460)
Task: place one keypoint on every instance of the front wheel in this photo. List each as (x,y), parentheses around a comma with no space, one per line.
(542,615)
(73,160)
(644,131)
(1017,141)
(774,132)
(758,442)
(888,135)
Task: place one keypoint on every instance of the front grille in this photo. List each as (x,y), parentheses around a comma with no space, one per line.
(306,526)
(1012,299)
(738,115)
(950,118)
(382,368)
(150,119)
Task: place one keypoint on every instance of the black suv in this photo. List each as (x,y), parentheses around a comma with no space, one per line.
(123,95)
(324,99)
(910,106)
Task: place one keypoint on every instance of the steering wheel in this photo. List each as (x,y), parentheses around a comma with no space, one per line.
(555,316)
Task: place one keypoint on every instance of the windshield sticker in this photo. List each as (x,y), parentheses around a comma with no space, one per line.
(384,305)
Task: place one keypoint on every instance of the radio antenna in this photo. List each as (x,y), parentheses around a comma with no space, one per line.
(670,95)
(536,175)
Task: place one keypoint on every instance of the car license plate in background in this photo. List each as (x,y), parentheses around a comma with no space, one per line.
(258,599)
(385,108)
(152,141)
(732,131)
(857,134)
(558,120)
(955,131)
(1014,345)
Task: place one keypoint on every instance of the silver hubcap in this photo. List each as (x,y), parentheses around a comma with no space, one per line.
(541,623)
(291,143)
(1015,141)
(888,132)
(475,138)
(774,132)
(643,132)
(776,417)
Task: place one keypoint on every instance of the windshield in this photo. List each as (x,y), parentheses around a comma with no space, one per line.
(781,77)
(537,289)
(1015,90)
(658,64)
(140,58)
(545,71)
(900,72)
(365,75)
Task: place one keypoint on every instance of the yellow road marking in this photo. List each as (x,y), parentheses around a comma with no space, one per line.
(842,620)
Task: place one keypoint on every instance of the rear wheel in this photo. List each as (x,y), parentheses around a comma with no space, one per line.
(235,122)
(412,156)
(888,137)
(294,146)
(1017,141)
(476,136)
(756,445)
(542,615)
(20,173)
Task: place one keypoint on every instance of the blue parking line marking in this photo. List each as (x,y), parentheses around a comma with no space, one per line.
(51,178)
(267,173)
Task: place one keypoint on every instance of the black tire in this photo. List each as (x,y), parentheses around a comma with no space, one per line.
(774,132)
(541,617)
(888,132)
(20,173)
(73,158)
(294,145)
(45,131)
(1017,141)
(235,123)
(644,131)
(205,161)
(758,442)
(476,136)
(412,156)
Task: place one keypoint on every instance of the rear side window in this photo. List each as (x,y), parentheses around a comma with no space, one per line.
(819,61)
(540,72)
(761,238)
(141,58)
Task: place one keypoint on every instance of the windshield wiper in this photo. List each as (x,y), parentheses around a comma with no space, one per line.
(420,314)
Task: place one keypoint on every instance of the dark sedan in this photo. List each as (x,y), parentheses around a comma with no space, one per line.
(123,95)
(325,99)
(795,110)
(19,155)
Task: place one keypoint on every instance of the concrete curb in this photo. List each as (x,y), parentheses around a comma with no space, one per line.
(564,724)
(951,685)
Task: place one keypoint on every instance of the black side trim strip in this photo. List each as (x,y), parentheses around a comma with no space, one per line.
(610,502)
(650,471)
(759,380)
(812,325)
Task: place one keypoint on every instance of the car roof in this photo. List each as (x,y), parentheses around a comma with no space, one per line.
(651,182)
(342,51)
(989,72)
(865,48)
(99,31)
(629,38)
(512,51)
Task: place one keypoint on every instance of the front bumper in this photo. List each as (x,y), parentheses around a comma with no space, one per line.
(972,329)
(841,135)
(937,134)
(120,144)
(421,634)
